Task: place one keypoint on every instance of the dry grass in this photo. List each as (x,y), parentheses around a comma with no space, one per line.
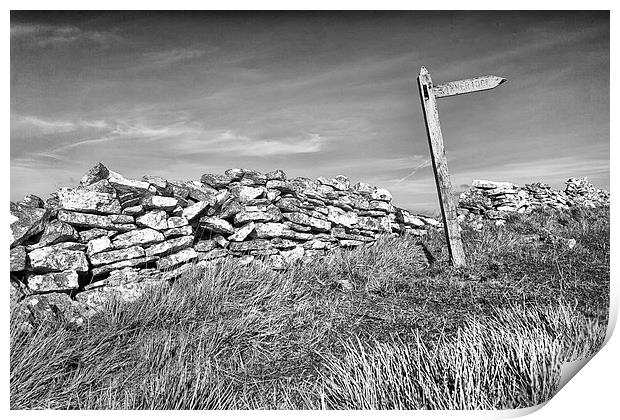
(369,328)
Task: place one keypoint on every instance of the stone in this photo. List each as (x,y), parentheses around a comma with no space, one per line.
(97,245)
(155,219)
(26,222)
(142,237)
(96,173)
(177,222)
(195,210)
(297,228)
(201,192)
(349,242)
(364,188)
(489,185)
(55,232)
(54,282)
(90,234)
(134,210)
(217,225)
(32,200)
(121,219)
(242,232)
(281,243)
(272,214)
(270,230)
(160,203)
(276,262)
(245,194)
(313,222)
(109,257)
(56,307)
(47,259)
(235,173)
(122,184)
(18,258)
(255,244)
(216,181)
(85,220)
(212,254)
(205,245)
(178,189)
(245,260)
(221,241)
(176,259)
(285,187)
(338,216)
(102,186)
(176,232)
(278,174)
(132,262)
(170,246)
(381,194)
(256,177)
(160,184)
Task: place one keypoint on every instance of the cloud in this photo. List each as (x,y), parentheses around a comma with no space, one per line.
(38,125)
(43,36)
(175,55)
(228,141)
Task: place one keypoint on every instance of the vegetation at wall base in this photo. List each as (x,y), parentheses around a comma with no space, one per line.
(372,328)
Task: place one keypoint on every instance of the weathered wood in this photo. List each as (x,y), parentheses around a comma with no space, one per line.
(460,87)
(440,167)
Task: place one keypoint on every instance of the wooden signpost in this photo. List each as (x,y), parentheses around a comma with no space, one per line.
(428,94)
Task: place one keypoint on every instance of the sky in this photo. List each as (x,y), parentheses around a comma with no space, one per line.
(179,94)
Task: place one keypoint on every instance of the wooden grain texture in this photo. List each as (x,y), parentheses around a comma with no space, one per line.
(440,167)
(460,87)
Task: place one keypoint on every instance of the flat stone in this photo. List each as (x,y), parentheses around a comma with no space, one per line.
(85,220)
(202,192)
(293,255)
(170,246)
(283,186)
(255,244)
(216,181)
(160,184)
(177,222)
(56,307)
(206,245)
(489,185)
(245,194)
(159,202)
(134,210)
(109,257)
(217,225)
(97,245)
(90,234)
(88,201)
(230,208)
(313,222)
(18,258)
(341,217)
(54,282)
(297,228)
(242,232)
(176,232)
(212,254)
(271,230)
(195,210)
(46,259)
(133,262)
(141,237)
(176,259)
(155,219)
(123,184)
(272,214)
(121,218)
(26,222)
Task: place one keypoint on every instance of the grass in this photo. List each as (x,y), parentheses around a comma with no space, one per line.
(371,328)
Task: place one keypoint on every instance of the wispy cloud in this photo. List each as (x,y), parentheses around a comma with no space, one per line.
(48,126)
(43,36)
(175,55)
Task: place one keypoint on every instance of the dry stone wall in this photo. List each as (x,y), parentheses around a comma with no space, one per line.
(114,236)
(496,200)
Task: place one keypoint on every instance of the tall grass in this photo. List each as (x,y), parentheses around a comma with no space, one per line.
(370,328)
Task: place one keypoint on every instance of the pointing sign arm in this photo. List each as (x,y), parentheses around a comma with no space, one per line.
(460,87)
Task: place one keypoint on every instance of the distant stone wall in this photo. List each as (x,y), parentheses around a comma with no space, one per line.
(496,200)
(113,235)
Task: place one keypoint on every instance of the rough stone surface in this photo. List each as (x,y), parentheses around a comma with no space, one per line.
(25,222)
(160,203)
(54,282)
(217,225)
(48,259)
(242,232)
(195,210)
(156,219)
(170,246)
(143,237)
(99,244)
(109,257)
(88,201)
(176,259)
(18,258)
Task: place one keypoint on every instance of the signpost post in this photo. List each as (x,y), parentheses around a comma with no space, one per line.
(428,94)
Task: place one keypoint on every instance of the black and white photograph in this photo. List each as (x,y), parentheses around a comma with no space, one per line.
(306,209)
